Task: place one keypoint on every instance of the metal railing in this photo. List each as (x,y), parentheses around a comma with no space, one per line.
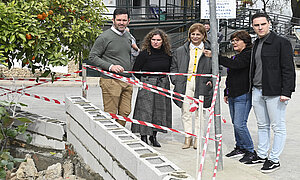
(159,14)
(281,24)
(180,17)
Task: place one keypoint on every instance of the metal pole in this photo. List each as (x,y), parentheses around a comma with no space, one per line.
(159,13)
(226,28)
(84,91)
(185,14)
(215,71)
(199,134)
(166,9)
(199,10)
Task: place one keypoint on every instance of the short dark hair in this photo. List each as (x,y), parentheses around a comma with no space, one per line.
(119,11)
(206,23)
(244,36)
(261,14)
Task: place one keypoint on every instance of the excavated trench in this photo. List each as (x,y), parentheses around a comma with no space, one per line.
(43,163)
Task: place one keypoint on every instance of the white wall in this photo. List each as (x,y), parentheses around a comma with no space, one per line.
(275,6)
(110,3)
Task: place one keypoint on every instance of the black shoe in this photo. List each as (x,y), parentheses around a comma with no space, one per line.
(248,156)
(237,152)
(153,140)
(270,166)
(256,160)
(144,138)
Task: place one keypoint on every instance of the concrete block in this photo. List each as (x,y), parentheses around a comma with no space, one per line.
(107,176)
(99,133)
(78,147)
(43,125)
(74,110)
(71,125)
(178,176)
(38,126)
(93,163)
(35,116)
(125,152)
(157,167)
(55,130)
(113,143)
(60,145)
(145,172)
(39,140)
(120,152)
(119,172)
(88,158)
(43,141)
(91,128)
(89,142)
(83,136)
(80,117)
(127,158)
(106,159)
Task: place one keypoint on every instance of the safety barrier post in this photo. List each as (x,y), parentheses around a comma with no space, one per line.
(84,91)
(199,133)
(215,71)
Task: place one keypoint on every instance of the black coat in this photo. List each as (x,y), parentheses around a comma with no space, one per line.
(278,70)
(237,81)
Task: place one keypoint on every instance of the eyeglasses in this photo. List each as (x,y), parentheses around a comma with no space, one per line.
(234,41)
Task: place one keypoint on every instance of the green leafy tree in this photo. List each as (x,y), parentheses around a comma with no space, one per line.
(39,33)
(8,132)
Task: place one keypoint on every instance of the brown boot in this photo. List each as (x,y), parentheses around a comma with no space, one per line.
(195,143)
(188,141)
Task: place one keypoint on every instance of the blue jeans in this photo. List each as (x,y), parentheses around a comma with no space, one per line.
(239,111)
(270,113)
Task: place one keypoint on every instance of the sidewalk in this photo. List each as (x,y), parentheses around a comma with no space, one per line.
(171,142)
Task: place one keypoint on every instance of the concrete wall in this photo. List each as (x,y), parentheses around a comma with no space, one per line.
(46,132)
(110,149)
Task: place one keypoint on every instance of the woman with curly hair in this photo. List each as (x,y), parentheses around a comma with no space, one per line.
(155,56)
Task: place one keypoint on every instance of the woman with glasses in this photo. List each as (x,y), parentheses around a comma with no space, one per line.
(237,94)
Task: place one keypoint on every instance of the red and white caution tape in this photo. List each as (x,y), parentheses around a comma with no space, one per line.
(42,80)
(114,116)
(122,118)
(149,86)
(223,119)
(217,158)
(21,89)
(37,96)
(168,73)
(37,84)
(148,124)
(208,129)
(70,74)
